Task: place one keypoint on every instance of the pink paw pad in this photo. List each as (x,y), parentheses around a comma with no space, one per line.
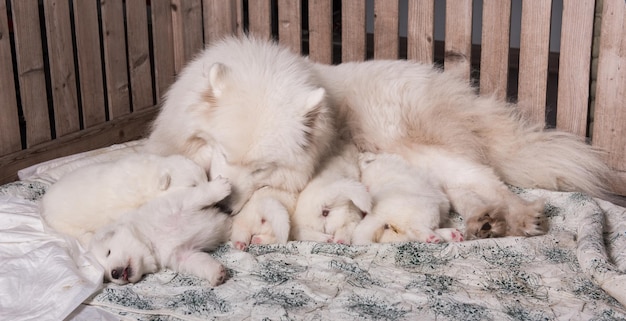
(256,240)
(240,245)
(432,238)
(457,236)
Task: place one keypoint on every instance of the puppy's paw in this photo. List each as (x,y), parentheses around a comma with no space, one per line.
(488,223)
(263,239)
(218,275)
(450,234)
(240,245)
(221,187)
(433,238)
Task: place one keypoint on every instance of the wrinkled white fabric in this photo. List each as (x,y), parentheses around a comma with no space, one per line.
(43,276)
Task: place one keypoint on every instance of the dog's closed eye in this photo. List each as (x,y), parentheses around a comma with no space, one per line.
(108,253)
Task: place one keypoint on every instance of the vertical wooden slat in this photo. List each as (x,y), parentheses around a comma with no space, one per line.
(139,55)
(163,42)
(115,64)
(386,37)
(220,19)
(494,55)
(30,68)
(290,24)
(609,131)
(62,73)
(88,52)
(260,18)
(9,125)
(238,12)
(574,65)
(533,65)
(321,31)
(420,31)
(458,44)
(353,35)
(187,22)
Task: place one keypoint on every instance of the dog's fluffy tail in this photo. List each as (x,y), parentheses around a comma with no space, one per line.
(527,155)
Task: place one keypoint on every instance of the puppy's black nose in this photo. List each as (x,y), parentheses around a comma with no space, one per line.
(117,273)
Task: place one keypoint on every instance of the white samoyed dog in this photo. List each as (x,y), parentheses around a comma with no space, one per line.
(169,231)
(402,106)
(92,196)
(334,201)
(265,219)
(249,110)
(409,203)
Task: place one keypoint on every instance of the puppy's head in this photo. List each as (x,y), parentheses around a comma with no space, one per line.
(123,254)
(337,205)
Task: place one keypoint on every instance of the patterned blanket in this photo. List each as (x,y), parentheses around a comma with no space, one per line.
(575,272)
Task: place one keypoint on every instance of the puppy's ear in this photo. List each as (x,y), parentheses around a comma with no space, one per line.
(359,196)
(218,78)
(164,181)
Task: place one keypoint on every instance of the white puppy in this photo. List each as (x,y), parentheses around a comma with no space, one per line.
(97,194)
(409,203)
(264,219)
(334,201)
(170,231)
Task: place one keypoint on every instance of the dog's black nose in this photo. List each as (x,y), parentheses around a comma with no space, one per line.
(117,273)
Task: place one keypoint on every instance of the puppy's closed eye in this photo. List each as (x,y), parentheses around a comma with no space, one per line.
(108,253)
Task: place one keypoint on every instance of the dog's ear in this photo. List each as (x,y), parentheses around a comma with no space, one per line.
(165,180)
(315,99)
(358,195)
(218,78)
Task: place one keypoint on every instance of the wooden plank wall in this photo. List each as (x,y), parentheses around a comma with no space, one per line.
(90,74)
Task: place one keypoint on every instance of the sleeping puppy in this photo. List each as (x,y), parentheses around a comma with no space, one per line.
(333,202)
(171,231)
(95,195)
(409,204)
(264,219)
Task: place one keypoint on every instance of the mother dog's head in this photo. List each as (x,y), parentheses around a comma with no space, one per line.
(251,111)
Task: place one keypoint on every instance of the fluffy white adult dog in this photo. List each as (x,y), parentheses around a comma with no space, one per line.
(249,110)
(92,196)
(334,201)
(401,107)
(270,116)
(265,219)
(409,203)
(170,231)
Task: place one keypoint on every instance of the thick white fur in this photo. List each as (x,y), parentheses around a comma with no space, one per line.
(264,219)
(97,194)
(394,106)
(255,107)
(170,231)
(409,203)
(334,201)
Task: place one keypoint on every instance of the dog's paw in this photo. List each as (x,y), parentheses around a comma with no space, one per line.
(219,276)
(527,219)
(221,187)
(240,245)
(450,234)
(263,239)
(433,238)
(489,223)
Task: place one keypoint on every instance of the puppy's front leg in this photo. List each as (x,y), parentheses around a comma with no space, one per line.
(207,194)
(203,265)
